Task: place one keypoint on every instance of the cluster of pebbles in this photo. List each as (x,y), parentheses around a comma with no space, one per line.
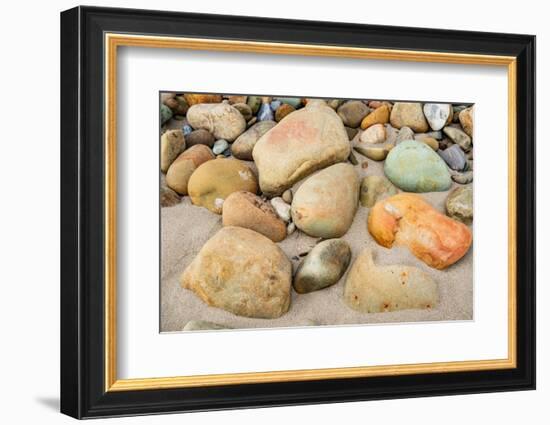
(274,166)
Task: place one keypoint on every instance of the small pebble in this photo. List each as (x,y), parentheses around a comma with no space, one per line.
(187,129)
(364,165)
(220,146)
(265,113)
(275,105)
(290,228)
(282,208)
(287,196)
(352,158)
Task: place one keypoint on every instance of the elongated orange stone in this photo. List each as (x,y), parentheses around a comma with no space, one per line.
(407,219)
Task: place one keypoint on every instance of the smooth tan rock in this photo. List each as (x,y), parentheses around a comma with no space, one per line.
(221,119)
(244,109)
(375,188)
(407,219)
(377,289)
(244,209)
(459,137)
(374,134)
(213,181)
(243,272)
(244,145)
(375,153)
(430,141)
(306,140)
(323,266)
(233,100)
(325,204)
(194,99)
(380,115)
(410,115)
(184,165)
(200,137)
(466,118)
(172,143)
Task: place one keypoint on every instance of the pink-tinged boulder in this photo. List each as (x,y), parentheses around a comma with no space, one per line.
(243,272)
(305,141)
(406,219)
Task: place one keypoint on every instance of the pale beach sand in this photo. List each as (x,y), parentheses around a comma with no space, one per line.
(185,228)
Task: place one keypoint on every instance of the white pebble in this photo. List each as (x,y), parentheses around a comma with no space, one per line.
(220,146)
(282,208)
(290,228)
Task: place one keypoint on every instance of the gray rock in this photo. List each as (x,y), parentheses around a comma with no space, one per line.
(405,133)
(244,145)
(437,114)
(353,112)
(454,157)
(463,178)
(325,264)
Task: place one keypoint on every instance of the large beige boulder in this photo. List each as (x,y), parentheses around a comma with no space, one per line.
(215,180)
(221,119)
(325,204)
(305,141)
(376,289)
(243,272)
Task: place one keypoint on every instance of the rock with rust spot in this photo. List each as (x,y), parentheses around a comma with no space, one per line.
(377,289)
(306,140)
(242,272)
(407,219)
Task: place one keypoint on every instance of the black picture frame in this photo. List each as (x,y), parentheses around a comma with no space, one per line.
(83,392)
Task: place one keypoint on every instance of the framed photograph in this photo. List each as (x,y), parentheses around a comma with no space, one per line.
(261,212)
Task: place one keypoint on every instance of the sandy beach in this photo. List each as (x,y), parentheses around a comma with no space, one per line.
(185,228)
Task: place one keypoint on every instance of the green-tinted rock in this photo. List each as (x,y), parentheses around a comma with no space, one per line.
(165,113)
(414,167)
(293,101)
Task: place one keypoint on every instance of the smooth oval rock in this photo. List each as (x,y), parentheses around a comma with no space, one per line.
(460,204)
(244,209)
(374,134)
(454,157)
(220,119)
(458,137)
(466,118)
(177,177)
(178,105)
(377,289)
(325,264)
(380,115)
(242,147)
(305,141)
(325,204)
(410,115)
(243,272)
(414,167)
(407,219)
(373,152)
(287,196)
(194,99)
(438,114)
(353,112)
(200,137)
(172,143)
(213,181)
(375,188)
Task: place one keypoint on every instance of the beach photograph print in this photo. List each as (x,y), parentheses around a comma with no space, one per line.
(282,212)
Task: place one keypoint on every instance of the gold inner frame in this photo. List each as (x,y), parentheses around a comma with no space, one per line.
(113,41)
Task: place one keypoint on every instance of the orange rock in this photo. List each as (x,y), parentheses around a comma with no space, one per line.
(406,219)
(193,99)
(380,115)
